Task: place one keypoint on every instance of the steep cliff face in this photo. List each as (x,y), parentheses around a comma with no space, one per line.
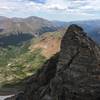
(73,74)
(78,68)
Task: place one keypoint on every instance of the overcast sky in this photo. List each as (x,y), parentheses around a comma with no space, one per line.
(65,10)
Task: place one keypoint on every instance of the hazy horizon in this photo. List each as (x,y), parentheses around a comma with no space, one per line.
(53,20)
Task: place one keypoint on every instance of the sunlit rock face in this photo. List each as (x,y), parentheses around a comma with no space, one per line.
(72,74)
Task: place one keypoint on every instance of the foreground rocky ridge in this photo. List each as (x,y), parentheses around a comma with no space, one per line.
(72,74)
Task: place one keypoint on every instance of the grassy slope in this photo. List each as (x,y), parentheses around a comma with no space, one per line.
(18,62)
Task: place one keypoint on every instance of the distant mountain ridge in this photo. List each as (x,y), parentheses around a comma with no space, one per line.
(35,26)
(16,30)
(92,27)
(32,25)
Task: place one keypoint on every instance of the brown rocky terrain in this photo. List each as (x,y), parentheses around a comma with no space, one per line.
(49,43)
(72,74)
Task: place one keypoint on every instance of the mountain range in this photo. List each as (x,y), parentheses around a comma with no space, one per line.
(33,25)
(17,30)
(22,29)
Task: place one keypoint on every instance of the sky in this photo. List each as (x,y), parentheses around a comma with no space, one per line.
(62,10)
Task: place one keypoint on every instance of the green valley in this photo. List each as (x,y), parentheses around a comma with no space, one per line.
(17,62)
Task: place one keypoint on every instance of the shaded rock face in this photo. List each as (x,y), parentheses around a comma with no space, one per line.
(73,74)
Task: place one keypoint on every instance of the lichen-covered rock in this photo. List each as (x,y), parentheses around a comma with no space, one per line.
(73,75)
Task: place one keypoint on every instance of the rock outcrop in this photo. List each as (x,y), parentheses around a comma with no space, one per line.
(72,74)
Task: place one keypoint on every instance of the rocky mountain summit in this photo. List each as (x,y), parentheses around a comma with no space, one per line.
(72,74)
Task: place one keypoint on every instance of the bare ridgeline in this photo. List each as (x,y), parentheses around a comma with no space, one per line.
(72,74)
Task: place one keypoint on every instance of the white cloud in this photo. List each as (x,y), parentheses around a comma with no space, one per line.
(53,5)
(69,6)
(66,7)
(56,5)
(85,6)
(23,4)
